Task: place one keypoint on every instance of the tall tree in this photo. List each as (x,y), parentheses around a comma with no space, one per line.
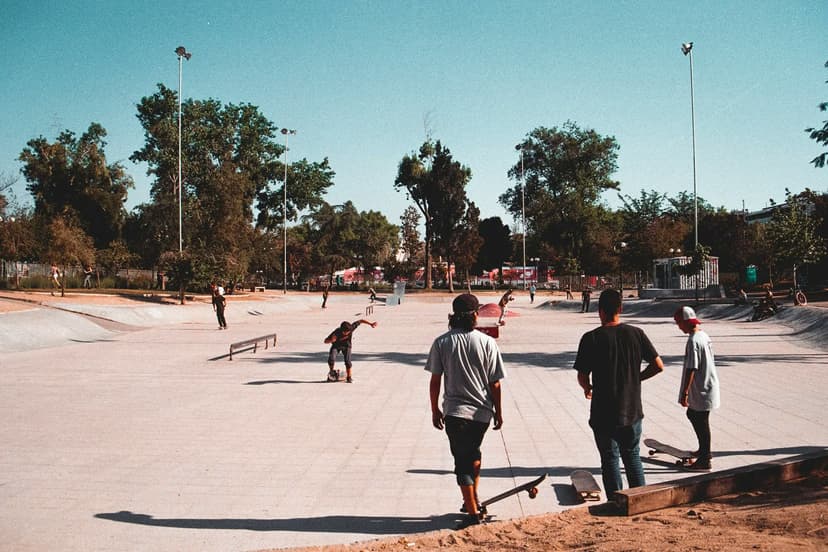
(496,246)
(437,185)
(70,177)
(451,209)
(466,242)
(377,240)
(820,135)
(564,172)
(231,158)
(68,245)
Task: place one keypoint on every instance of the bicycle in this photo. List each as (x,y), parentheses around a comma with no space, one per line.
(799,297)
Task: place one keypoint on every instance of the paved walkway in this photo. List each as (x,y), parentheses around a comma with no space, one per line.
(150,439)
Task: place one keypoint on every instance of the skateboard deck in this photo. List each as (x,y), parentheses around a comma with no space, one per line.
(683,457)
(530,487)
(585,485)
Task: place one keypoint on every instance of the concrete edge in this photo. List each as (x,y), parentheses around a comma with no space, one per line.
(701,487)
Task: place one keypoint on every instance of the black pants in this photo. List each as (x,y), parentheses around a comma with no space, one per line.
(220,316)
(701,425)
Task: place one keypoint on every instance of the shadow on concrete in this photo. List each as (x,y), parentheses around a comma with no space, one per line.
(566,494)
(554,361)
(370,525)
(277,381)
(517,472)
(815,358)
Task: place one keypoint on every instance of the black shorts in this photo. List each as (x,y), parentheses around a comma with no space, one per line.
(465,438)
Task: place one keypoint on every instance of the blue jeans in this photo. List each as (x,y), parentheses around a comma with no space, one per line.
(619,442)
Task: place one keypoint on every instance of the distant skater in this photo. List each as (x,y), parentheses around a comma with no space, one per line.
(569,292)
(504,306)
(340,341)
(54,277)
(87,277)
(586,296)
(325,296)
(699,391)
(219,303)
(532,290)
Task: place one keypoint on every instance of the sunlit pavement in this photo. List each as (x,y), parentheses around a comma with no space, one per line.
(151,439)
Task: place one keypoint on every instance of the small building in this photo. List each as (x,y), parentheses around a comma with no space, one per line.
(665,275)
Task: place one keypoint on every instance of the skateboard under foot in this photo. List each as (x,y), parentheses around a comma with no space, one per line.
(530,487)
(683,457)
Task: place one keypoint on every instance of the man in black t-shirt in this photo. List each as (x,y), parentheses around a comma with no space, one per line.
(609,371)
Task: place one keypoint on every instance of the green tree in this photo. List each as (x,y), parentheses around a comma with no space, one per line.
(377,240)
(115,257)
(68,245)
(466,242)
(231,158)
(820,135)
(450,209)
(412,245)
(17,238)
(565,171)
(496,246)
(70,177)
(436,184)
(793,235)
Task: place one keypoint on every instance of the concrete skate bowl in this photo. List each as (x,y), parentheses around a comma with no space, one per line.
(808,324)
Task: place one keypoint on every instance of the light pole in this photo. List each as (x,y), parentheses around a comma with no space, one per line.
(519,147)
(182,54)
(687,50)
(621,246)
(287,132)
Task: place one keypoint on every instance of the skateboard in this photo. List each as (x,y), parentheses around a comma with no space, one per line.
(531,489)
(683,457)
(585,485)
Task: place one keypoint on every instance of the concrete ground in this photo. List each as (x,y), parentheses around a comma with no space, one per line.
(131,430)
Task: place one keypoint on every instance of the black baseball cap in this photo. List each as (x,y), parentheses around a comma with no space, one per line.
(465,303)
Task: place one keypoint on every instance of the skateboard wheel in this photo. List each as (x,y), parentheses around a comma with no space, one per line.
(652,452)
(533,492)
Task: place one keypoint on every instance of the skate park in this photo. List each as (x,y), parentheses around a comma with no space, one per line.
(126,426)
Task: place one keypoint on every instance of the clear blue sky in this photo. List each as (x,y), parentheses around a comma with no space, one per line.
(359,79)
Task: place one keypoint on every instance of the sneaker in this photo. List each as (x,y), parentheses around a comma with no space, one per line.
(700,465)
(349,380)
(468,521)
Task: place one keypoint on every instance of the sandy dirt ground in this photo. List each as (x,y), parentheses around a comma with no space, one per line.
(788,517)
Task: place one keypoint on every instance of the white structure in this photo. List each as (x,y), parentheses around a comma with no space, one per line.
(666,277)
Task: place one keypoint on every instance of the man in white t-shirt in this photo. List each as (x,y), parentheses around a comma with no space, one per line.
(699,391)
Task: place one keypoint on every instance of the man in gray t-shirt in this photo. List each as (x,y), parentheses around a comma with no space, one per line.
(470,364)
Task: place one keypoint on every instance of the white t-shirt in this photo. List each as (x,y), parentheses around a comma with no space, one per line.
(698,356)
